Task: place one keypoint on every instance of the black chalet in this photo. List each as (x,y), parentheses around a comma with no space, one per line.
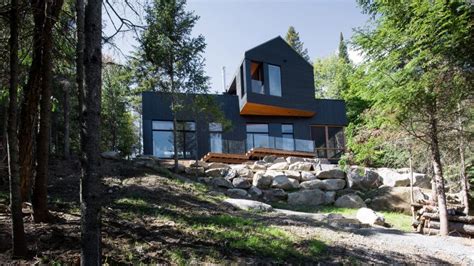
(271,104)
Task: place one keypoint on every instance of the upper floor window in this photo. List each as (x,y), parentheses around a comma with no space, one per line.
(274,80)
(256,75)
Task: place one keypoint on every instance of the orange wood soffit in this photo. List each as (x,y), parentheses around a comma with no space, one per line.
(262,109)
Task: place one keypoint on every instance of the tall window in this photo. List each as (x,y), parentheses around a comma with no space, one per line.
(328,141)
(288,141)
(215,137)
(257,136)
(163,140)
(256,75)
(274,80)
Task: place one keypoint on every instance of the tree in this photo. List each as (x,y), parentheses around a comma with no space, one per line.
(342,51)
(418,58)
(293,39)
(172,56)
(40,191)
(18,232)
(90,135)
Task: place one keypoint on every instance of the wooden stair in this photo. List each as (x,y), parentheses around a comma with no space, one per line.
(252,154)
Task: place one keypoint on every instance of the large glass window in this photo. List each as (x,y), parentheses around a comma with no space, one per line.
(163,140)
(274,80)
(288,141)
(328,141)
(256,75)
(215,137)
(257,136)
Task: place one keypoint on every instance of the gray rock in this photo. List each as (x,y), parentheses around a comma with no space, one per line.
(237,193)
(306,176)
(273,195)
(331,174)
(292,160)
(248,205)
(273,173)
(350,201)
(292,174)
(312,197)
(194,170)
(261,180)
(421,181)
(279,160)
(363,179)
(241,182)
(392,178)
(325,166)
(259,165)
(216,172)
(284,182)
(397,198)
(255,192)
(231,174)
(312,184)
(368,216)
(111,155)
(279,166)
(329,197)
(217,165)
(221,182)
(200,163)
(244,172)
(333,184)
(269,158)
(301,166)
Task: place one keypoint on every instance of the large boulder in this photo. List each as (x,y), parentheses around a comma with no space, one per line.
(216,172)
(392,178)
(241,182)
(255,192)
(368,216)
(221,182)
(200,163)
(194,170)
(217,165)
(111,155)
(311,197)
(421,180)
(269,158)
(279,160)
(396,198)
(350,201)
(333,184)
(261,180)
(273,173)
(292,160)
(329,197)
(292,174)
(306,176)
(312,184)
(285,183)
(279,166)
(243,171)
(330,174)
(301,166)
(363,179)
(237,193)
(273,195)
(259,165)
(231,174)
(248,205)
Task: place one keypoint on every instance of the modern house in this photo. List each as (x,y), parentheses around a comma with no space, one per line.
(271,104)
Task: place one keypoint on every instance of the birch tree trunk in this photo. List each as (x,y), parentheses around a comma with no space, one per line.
(90,136)
(18,232)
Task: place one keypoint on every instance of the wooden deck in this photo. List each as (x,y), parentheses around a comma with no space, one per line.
(253,154)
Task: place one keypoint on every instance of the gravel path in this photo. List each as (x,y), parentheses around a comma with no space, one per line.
(375,244)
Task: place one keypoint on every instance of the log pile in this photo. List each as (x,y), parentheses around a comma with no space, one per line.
(427,221)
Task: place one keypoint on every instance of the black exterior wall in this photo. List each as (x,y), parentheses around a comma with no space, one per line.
(156,106)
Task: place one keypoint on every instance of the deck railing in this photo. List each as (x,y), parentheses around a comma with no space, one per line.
(259,141)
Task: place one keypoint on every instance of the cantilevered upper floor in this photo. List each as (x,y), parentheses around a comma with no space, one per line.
(274,80)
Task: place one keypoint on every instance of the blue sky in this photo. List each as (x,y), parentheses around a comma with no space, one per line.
(234,26)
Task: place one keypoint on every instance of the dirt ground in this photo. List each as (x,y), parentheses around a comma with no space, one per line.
(151,217)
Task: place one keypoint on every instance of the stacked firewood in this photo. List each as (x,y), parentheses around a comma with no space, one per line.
(427,221)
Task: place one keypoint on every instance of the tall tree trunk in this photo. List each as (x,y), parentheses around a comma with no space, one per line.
(29,109)
(90,139)
(462,166)
(40,191)
(18,231)
(438,172)
(66,130)
(80,58)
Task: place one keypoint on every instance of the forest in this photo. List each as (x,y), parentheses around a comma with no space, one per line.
(64,101)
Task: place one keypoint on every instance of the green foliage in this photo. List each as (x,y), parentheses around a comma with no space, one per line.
(342,52)
(118,130)
(293,39)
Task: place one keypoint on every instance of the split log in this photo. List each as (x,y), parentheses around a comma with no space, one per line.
(458,227)
(430,231)
(452,218)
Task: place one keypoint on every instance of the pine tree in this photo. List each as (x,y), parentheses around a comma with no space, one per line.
(293,39)
(343,54)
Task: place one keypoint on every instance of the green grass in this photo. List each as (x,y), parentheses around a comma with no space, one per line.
(398,220)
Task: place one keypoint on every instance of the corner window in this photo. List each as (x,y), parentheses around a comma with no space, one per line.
(256,76)
(274,80)
(215,137)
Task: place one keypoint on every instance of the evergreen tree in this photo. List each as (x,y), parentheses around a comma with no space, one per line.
(293,39)
(343,54)
(171,57)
